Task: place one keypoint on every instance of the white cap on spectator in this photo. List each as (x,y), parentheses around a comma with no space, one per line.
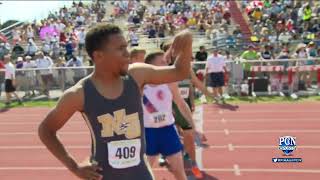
(19,59)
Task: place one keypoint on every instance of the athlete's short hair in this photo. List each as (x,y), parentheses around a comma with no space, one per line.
(98,35)
(135,51)
(152,56)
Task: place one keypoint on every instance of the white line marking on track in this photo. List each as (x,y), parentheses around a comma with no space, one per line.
(199,115)
(265,131)
(254,111)
(259,147)
(236,170)
(230,147)
(264,120)
(34,133)
(223,120)
(226,132)
(34,123)
(316,171)
(41,147)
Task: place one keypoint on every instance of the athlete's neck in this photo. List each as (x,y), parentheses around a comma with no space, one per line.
(106,77)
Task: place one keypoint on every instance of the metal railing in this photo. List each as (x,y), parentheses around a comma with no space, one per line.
(265,77)
(7,32)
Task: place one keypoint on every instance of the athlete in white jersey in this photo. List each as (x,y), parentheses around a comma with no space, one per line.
(161,134)
(157,106)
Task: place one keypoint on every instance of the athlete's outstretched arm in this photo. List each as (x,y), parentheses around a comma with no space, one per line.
(181,49)
(69,103)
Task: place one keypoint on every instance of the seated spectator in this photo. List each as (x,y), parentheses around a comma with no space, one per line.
(202,54)
(133,38)
(31,48)
(17,50)
(78,73)
(152,32)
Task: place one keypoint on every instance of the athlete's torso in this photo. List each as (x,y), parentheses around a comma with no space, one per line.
(116,126)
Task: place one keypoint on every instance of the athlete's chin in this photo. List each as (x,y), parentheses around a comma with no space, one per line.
(123,72)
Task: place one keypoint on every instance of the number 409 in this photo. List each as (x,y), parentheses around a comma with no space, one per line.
(126,152)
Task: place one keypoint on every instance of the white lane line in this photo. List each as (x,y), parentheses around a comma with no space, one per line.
(316,171)
(34,133)
(223,120)
(264,120)
(259,147)
(267,131)
(199,116)
(33,123)
(283,170)
(271,111)
(226,132)
(42,147)
(230,147)
(236,170)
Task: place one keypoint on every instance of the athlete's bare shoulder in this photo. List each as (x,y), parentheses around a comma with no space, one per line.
(74,96)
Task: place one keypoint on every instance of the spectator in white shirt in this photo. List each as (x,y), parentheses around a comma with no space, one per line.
(10,80)
(61,27)
(30,75)
(133,38)
(31,48)
(80,20)
(78,73)
(30,33)
(46,74)
(81,36)
(215,69)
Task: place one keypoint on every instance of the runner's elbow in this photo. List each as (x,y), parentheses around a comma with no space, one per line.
(44,131)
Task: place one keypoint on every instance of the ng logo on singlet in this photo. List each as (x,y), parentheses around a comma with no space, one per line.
(121,124)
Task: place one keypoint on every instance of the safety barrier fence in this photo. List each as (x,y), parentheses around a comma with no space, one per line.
(244,77)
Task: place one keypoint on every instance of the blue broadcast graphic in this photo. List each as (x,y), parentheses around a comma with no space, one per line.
(287,144)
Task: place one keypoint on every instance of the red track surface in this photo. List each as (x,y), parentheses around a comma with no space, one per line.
(241,143)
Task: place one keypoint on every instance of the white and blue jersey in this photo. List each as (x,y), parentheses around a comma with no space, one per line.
(161,134)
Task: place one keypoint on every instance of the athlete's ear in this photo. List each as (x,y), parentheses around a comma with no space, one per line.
(97,56)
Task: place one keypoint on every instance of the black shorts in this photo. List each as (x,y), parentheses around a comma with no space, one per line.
(216,79)
(8,86)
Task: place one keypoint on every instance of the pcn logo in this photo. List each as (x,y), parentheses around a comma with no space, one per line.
(287,144)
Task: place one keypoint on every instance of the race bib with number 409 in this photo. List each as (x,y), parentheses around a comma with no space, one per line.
(124,153)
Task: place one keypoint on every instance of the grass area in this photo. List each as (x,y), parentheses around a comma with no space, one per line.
(40,103)
(232,100)
(266,99)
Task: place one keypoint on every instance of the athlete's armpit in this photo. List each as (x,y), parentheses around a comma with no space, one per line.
(69,103)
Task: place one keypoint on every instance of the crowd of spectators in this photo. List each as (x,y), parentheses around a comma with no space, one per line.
(211,19)
(58,41)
